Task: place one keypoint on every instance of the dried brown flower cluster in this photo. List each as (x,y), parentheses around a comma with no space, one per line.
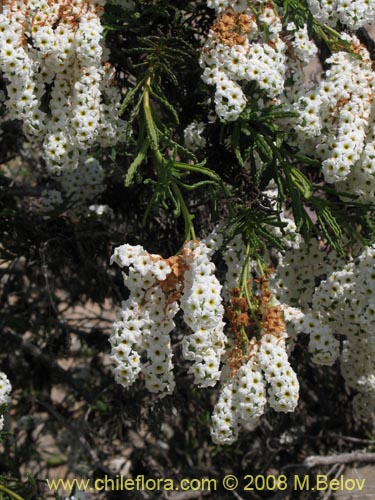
(66,12)
(271,317)
(249,322)
(231,27)
(173,285)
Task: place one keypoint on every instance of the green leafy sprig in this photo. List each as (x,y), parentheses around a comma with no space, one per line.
(155,141)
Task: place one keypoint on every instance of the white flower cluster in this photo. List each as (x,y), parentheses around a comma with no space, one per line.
(288,232)
(83,184)
(79,188)
(339,311)
(144,323)
(336,118)
(266,376)
(353,14)
(294,287)
(259,374)
(5,388)
(303,49)
(346,303)
(158,289)
(201,303)
(50,200)
(193,136)
(243,47)
(52,57)
(357,364)
(233,258)
(297,270)
(101,211)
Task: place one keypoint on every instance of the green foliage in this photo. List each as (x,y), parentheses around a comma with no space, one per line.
(152,116)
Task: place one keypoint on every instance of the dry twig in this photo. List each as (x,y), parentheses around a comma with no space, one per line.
(344,458)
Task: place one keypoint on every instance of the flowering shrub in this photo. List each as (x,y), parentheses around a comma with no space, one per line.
(232,185)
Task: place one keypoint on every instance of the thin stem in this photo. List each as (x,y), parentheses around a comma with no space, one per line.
(245,276)
(150,125)
(204,171)
(261,266)
(245,341)
(244,285)
(10,492)
(188,219)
